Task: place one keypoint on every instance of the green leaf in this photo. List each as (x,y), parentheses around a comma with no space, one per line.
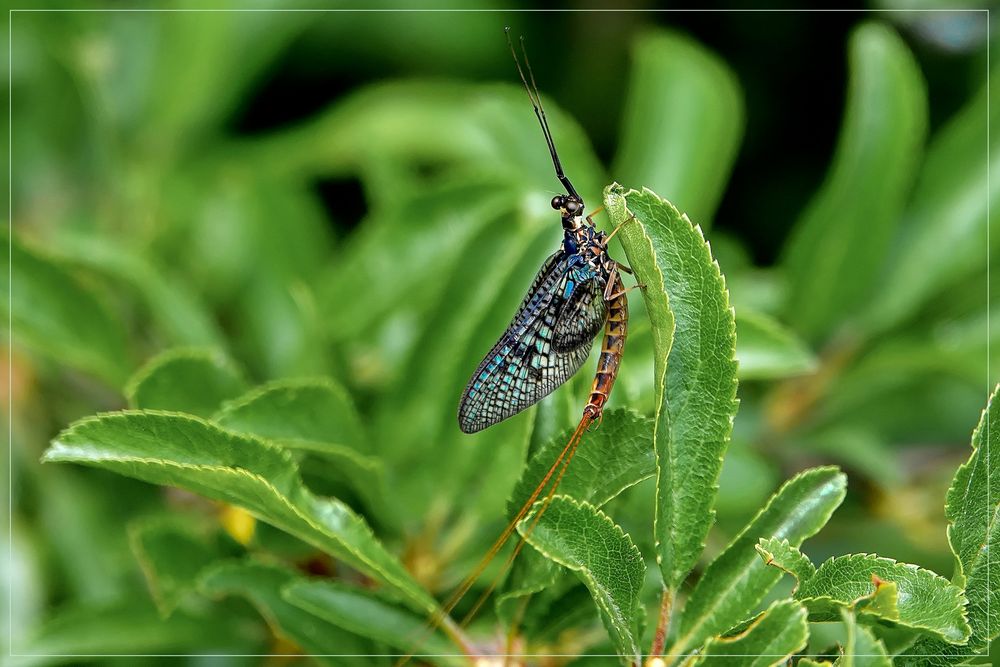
(389,244)
(610,459)
(175,309)
(808,662)
(948,210)
(982,582)
(191,380)
(172,553)
(52,312)
(364,613)
(280,329)
(193,454)
(694,367)
(838,245)
(925,601)
(481,469)
(315,417)
(431,122)
(862,648)
(971,508)
(737,580)
(771,639)
(782,555)
(130,627)
(682,122)
(766,350)
(302,411)
(261,583)
(586,541)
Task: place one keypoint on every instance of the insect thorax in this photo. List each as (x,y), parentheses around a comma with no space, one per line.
(589,245)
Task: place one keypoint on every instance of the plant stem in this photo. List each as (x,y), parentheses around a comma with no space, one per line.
(663,624)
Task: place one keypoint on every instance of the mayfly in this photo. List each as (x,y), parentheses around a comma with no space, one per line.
(577,292)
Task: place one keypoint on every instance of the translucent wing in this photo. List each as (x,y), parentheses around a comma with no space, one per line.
(523,367)
(581,317)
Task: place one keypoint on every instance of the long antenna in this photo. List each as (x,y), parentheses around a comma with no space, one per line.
(536,102)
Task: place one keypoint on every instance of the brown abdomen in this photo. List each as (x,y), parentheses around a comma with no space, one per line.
(615,330)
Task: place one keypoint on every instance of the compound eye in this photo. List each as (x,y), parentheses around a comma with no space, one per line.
(572,206)
(557,202)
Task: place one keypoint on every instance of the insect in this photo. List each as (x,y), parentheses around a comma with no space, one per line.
(577,292)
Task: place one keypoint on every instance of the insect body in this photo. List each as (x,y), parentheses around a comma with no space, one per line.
(576,292)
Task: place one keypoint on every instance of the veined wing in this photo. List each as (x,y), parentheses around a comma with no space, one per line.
(523,367)
(581,317)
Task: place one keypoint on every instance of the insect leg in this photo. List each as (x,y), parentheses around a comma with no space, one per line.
(613,280)
(620,225)
(626,290)
(590,218)
(623,267)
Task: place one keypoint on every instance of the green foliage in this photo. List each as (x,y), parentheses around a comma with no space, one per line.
(774,636)
(736,581)
(364,613)
(581,538)
(195,381)
(695,368)
(291,372)
(191,453)
(861,649)
(924,601)
(840,241)
(262,584)
(674,79)
(52,311)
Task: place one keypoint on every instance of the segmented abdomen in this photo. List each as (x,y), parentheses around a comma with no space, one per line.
(615,331)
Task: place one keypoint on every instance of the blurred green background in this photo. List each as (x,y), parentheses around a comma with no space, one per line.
(364,196)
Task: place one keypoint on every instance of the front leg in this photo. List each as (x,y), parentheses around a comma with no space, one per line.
(613,280)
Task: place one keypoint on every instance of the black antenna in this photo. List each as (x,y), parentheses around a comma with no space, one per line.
(536,102)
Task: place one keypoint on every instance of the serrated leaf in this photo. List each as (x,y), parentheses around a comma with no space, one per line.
(695,339)
(586,541)
(261,583)
(737,580)
(299,411)
(315,417)
(192,380)
(925,601)
(971,508)
(839,244)
(782,555)
(188,452)
(862,648)
(612,458)
(772,638)
(766,350)
(683,96)
(52,312)
(171,553)
(364,613)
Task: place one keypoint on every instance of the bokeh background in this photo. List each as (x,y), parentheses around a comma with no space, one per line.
(363,196)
